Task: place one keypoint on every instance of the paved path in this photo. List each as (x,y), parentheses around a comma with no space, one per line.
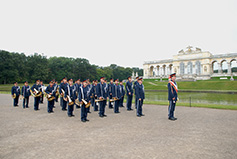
(198,133)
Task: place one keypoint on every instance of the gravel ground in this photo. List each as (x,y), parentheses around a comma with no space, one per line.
(198,133)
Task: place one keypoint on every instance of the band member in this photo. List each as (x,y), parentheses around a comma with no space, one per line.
(57,90)
(134,87)
(106,87)
(77,85)
(102,95)
(42,89)
(61,97)
(89,85)
(84,96)
(140,96)
(36,88)
(172,96)
(94,96)
(117,94)
(70,96)
(122,95)
(110,88)
(62,90)
(25,92)
(50,90)
(15,94)
(129,90)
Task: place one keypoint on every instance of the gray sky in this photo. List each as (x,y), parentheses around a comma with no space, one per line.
(124,32)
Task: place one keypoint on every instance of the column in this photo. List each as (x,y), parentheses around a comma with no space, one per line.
(229,68)
(219,68)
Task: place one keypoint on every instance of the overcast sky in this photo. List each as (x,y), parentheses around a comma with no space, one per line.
(124,32)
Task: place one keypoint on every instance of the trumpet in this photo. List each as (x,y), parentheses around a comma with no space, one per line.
(87,104)
(36,94)
(99,100)
(114,99)
(14,96)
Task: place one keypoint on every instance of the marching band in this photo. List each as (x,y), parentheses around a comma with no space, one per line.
(84,94)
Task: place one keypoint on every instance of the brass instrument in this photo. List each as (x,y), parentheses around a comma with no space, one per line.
(70,102)
(57,92)
(49,97)
(87,104)
(114,99)
(99,100)
(14,96)
(77,102)
(36,94)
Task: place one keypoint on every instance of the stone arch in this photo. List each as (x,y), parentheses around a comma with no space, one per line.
(158,70)
(164,69)
(170,68)
(224,66)
(233,65)
(205,68)
(151,71)
(214,67)
(190,67)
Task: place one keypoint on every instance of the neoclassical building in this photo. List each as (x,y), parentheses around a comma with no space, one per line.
(192,64)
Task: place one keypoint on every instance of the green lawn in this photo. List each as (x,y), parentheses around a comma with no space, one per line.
(220,85)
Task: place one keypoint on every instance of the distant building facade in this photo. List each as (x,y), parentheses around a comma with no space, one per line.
(192,64)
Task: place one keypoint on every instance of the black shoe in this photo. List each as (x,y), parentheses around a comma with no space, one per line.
(83,121)
(172,118)
(89,112)
(101,116)
(23,107)
(73,115)
(95,110)
(27,107)
(87,120)
(64,109)
(54,107)
(175,118)
(104,115)
(138,115)
(110,107)
(143,115)
(69,115)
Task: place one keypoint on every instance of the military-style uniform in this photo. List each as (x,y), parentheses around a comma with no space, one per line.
(117,93)
(84,94)
(129,90)
(15,90)
(37,99)
(60,91)
(110,88)
(94,96)
(63,86)
(71,92)
(56,96)
(140,96)
(42,96)
(172,97)
(122,96)
(25,92)
(102,92)
(50,89)
(134,87)
(89,89)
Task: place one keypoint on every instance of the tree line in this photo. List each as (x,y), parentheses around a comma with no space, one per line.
(19,67)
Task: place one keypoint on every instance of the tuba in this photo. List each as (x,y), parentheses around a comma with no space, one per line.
(36,94)
(49,97)
(70,102)
(87,104)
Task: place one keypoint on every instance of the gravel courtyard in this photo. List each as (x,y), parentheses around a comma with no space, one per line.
(198,133)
